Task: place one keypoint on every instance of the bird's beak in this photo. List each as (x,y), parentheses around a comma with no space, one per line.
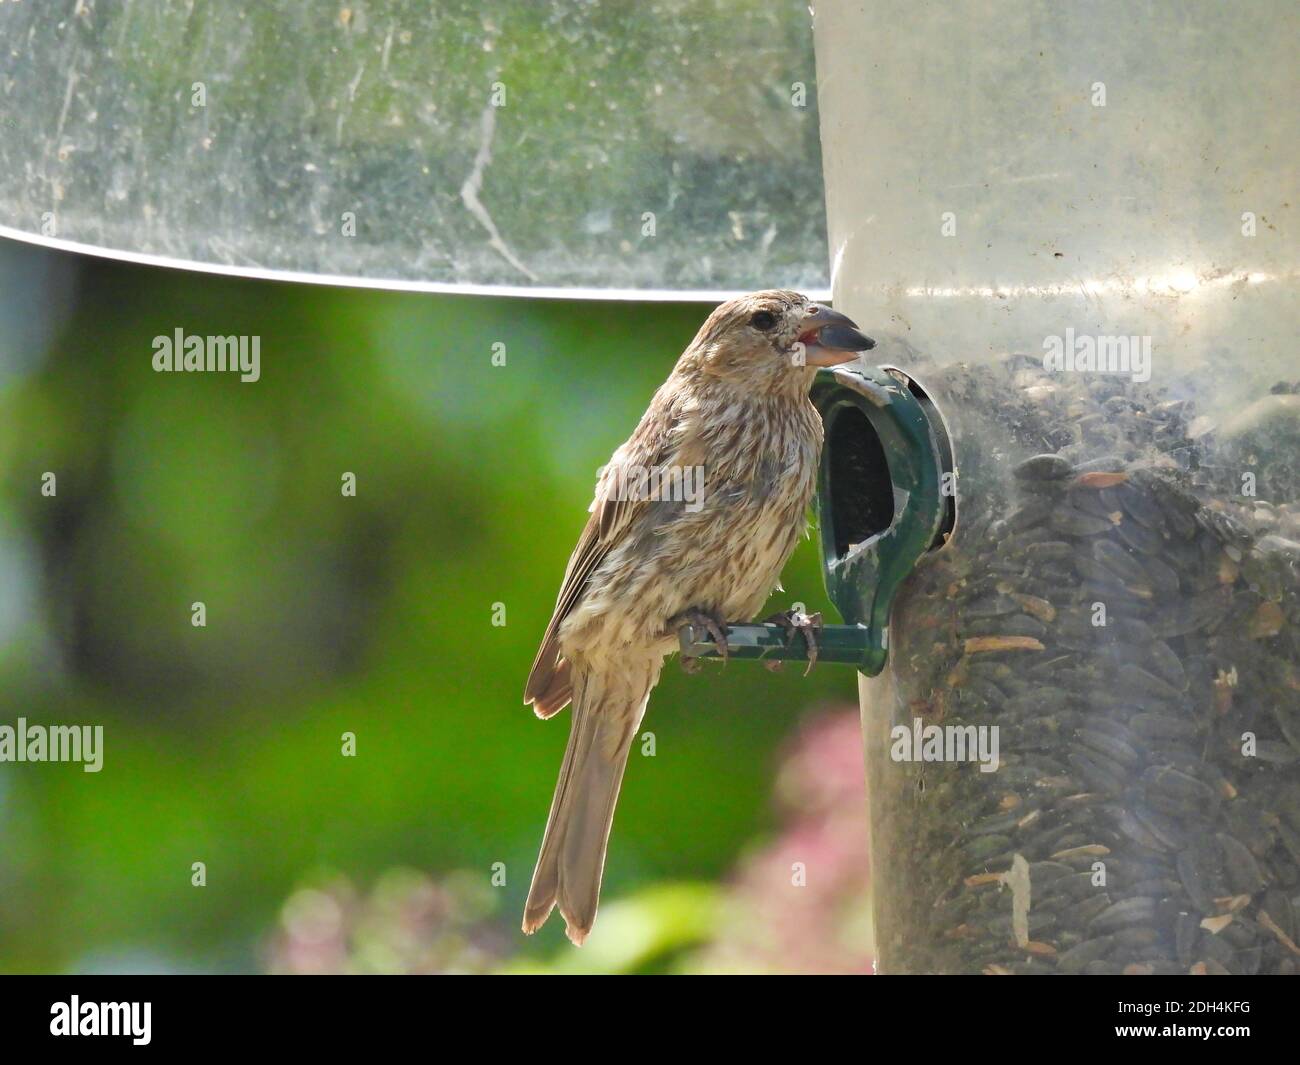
(830,338)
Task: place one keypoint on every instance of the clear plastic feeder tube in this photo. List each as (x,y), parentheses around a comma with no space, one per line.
(1073,225)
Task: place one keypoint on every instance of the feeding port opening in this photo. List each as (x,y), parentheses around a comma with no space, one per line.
(860,488)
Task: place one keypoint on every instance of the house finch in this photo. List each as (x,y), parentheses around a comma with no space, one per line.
(735,407)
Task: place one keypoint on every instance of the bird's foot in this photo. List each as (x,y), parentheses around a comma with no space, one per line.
(710,623)
(795,622)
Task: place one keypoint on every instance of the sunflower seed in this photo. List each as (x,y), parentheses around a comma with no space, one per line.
(1137,910)
(1042,468)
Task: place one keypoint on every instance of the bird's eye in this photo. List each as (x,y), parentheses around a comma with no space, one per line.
(763,320)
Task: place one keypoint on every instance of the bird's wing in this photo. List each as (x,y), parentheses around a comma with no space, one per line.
(656,442)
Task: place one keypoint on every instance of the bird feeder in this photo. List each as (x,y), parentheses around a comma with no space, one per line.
(1072,597)
(1083,755)
(884,499)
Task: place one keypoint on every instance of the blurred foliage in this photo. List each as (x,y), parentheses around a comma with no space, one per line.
(799,905)
(799,902)
(325,614)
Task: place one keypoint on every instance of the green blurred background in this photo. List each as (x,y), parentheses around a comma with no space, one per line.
(371,615)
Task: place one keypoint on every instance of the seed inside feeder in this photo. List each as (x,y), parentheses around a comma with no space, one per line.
(1100,591)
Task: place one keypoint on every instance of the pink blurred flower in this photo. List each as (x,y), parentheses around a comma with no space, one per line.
(408,923)
(802,903)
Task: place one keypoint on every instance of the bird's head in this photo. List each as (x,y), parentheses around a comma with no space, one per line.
(773,340)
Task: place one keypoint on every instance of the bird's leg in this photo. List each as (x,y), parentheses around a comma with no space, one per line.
(796,621)
(710,623)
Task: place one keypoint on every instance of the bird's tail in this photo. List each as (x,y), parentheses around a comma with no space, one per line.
(572,859)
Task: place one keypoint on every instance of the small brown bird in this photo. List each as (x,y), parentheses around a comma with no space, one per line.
(694,518)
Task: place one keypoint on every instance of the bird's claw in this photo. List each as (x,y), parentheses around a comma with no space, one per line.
(710,623)
(796,621)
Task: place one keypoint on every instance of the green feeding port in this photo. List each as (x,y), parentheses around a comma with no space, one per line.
(885,497)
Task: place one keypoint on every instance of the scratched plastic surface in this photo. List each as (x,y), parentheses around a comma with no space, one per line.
(515,144)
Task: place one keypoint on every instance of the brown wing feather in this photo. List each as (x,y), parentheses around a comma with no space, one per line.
(549,688)
(541,690)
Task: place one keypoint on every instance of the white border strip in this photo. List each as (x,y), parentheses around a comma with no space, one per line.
(255,273)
